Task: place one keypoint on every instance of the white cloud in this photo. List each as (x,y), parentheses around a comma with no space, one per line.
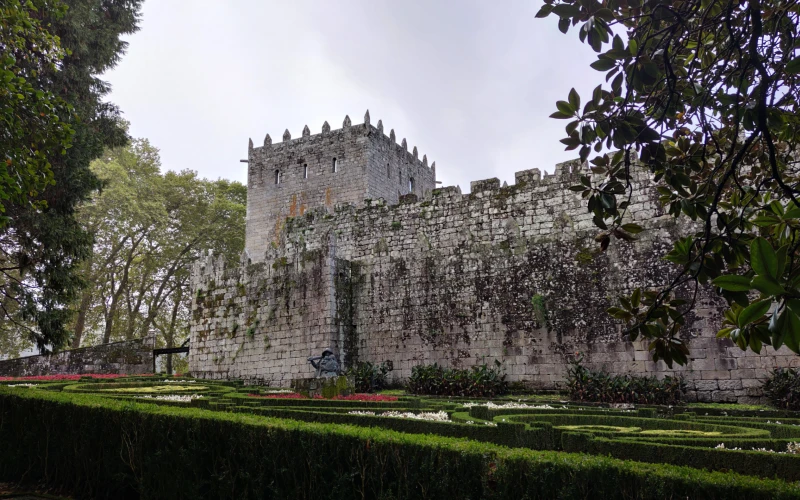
(470,83)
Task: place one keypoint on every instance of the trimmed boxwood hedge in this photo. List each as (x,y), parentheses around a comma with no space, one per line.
(763,464)
(99,447)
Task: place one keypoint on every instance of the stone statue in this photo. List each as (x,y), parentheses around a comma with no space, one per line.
(326,365)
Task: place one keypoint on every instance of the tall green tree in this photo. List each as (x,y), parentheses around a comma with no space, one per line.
(34,121)
(148,228)
(42,244)
(706,92)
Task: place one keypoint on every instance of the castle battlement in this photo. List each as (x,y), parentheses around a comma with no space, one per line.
(346,165)
(351,246)
(366,129)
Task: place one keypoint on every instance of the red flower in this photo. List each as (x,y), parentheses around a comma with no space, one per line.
(51,378)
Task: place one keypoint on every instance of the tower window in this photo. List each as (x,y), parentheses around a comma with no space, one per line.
(410,184)
(400,176)
(277,177)
(388,170)
(305,170)
(335,165)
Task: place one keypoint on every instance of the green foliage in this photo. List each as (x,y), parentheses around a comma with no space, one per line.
(439,381)
(149,227)
(588,385)
(43,243)
(214,455)
(706,93)
(368,377)
(783,388)
(540,310)
(35,121)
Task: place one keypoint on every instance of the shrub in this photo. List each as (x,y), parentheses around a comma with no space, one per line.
(368,377)
(130,450)
(783,388)
(588,385)
(479,381)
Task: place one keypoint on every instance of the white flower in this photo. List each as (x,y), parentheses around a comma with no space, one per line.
(183,398)
(512,405)
(440,416)
(356,412)
(22,385)
(179,381)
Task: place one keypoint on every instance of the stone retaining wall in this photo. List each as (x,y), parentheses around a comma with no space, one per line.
(132,357)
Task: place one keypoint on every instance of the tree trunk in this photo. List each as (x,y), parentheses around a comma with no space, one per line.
(80,322)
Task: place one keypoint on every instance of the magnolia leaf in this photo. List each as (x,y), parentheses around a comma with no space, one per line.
(733,283)
(766,285)
(762,258)
(793,66)
(753,312)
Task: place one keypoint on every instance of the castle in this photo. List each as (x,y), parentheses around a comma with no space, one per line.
(351,246)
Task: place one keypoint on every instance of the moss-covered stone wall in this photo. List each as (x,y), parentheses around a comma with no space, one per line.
(505,273)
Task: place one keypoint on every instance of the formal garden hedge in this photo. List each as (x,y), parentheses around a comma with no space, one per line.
(117,439)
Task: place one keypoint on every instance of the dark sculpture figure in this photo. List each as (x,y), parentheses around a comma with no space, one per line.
(326,365)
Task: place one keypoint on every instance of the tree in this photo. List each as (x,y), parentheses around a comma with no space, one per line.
(148,228)
(34,121)
(706,92)
(42,244)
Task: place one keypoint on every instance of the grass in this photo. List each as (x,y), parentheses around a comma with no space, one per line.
(679,432)
(730,406)
(601,428)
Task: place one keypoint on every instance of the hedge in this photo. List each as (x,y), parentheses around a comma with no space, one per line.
(507,434)
(763,464)
(97,447)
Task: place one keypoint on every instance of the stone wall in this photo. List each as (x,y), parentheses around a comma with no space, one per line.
(286,179)
(261,321)
(507,273)
(132,357)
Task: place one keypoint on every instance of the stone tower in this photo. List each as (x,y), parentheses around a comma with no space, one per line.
(347,165)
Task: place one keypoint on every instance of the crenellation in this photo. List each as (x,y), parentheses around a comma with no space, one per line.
(367,256)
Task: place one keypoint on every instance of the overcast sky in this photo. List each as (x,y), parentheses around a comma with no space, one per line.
(471,84)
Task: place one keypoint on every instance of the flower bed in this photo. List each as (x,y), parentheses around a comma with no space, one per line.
(56,378)
(366,397)
(352,397)
(438,416)
(181,398)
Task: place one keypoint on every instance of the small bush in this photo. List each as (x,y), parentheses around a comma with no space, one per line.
(588,385)
(783,388)
(480,381)
(368,377)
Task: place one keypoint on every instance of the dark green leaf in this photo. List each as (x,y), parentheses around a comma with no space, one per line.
(753,312)
(733,283)
(793,66)
(574,99)
(603,64)
(762,258)
(565,108)
(766,285)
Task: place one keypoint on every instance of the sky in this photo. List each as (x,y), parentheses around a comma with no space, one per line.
(470,83)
